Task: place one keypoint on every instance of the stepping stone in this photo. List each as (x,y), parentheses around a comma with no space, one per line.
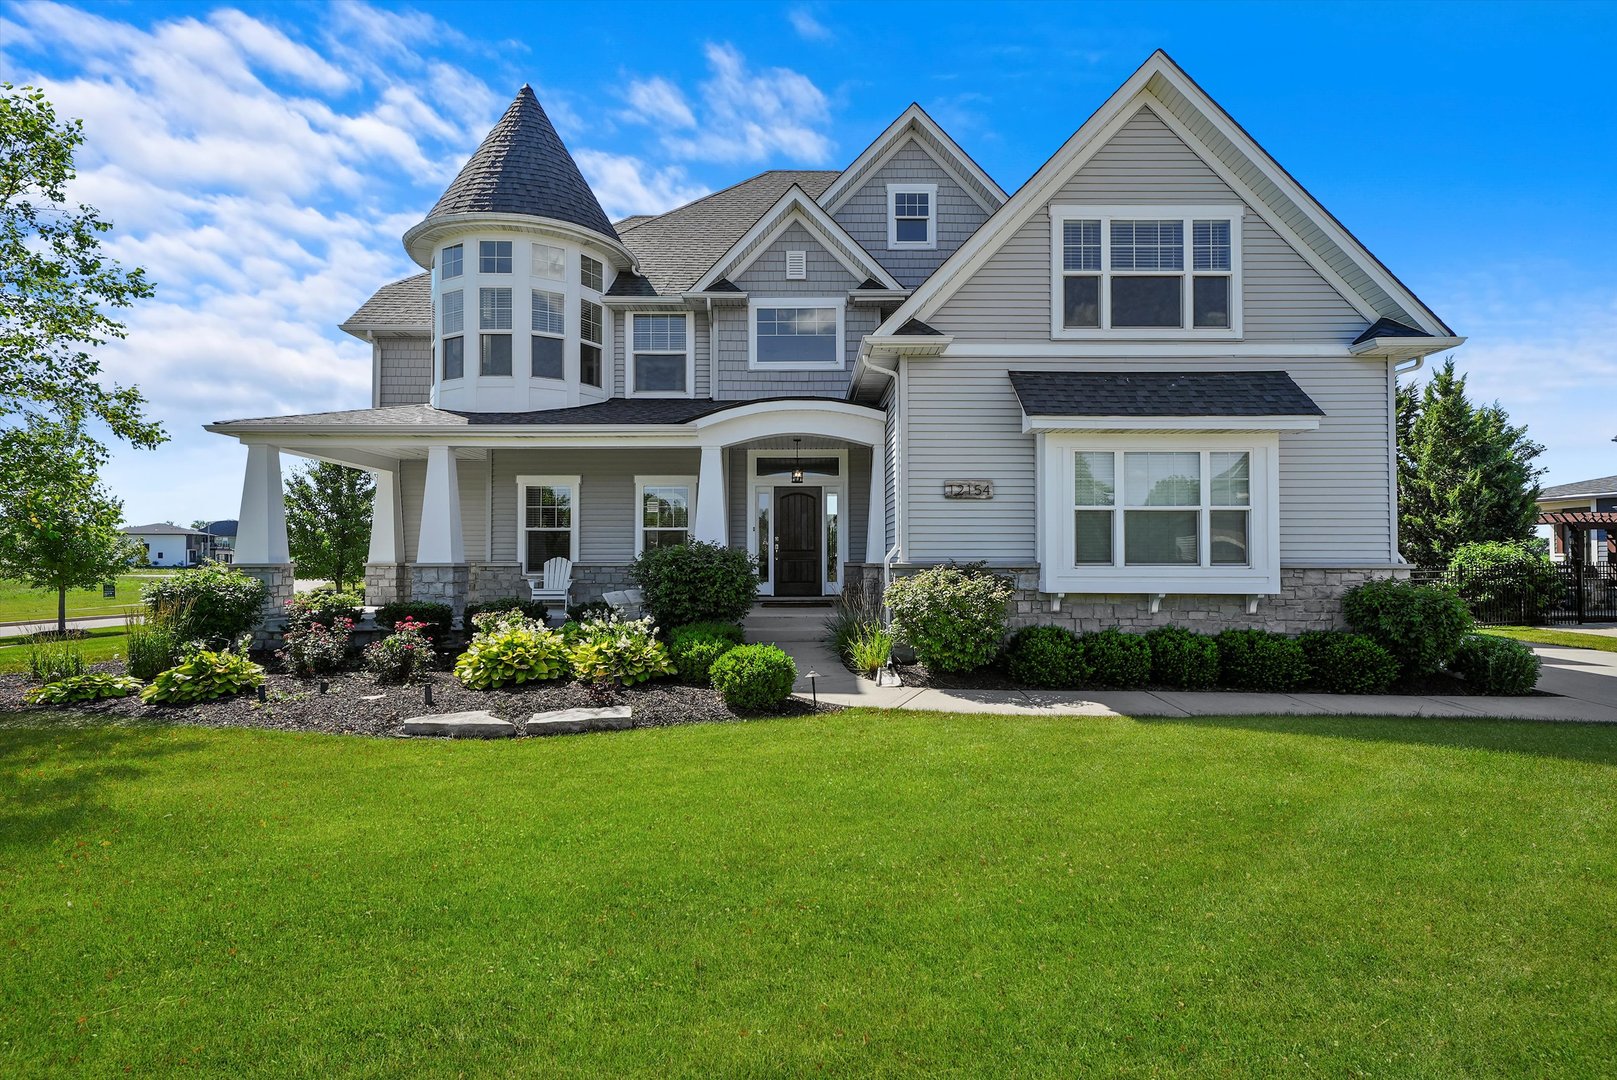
(577,721)
(461,725)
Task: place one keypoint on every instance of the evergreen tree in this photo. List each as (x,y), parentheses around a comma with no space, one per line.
(328,522)
(1465,473)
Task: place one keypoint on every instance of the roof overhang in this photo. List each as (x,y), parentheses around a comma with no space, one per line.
(1032,424)
(906,345)
(795,205)
(914,123)
(366,330)
(1404,348)
(423,238)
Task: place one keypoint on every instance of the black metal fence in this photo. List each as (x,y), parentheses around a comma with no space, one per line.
(1565,594)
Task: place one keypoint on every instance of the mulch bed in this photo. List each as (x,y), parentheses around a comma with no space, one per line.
(355,704)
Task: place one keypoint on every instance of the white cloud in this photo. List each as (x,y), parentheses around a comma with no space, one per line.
(744,115)
(807,26)
(626,185)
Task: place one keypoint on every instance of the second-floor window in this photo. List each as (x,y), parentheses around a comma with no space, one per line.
(589,343)
(549,328)
(789,333)
(549,262)
(494,256)
(452,320)
(912,215)
(1146,270)
(589,273)
(453,263)
(494,313)
(661,355)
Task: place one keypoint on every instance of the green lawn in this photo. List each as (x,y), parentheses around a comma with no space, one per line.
(865,893)
(101,643)
(1544,635)
(19,602)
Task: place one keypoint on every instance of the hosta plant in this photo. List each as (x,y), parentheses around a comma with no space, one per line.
(510,654)
(91,686)
(619,651)
(203,676)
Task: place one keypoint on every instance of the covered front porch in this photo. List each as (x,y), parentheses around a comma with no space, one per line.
(469,507)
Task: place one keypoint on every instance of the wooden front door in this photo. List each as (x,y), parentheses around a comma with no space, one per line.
(797,541)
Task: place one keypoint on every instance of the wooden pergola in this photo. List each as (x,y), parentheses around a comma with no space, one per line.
(1581,522)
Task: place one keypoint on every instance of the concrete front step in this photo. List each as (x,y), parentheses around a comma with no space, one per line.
(807,626)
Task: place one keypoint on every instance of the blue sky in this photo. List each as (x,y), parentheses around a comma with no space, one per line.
(262,160)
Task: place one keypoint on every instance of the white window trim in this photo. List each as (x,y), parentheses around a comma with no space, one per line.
(762,548)
(641,483)
(1057,575)
(836,303)
(604,344)
(931,241)
(629,355)
(525,482)
(1064,212)
(534,331)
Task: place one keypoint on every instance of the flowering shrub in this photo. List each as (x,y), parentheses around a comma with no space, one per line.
(612,650)
(318,649)
(202,676)
(953,617)
(403,655)
(510,651)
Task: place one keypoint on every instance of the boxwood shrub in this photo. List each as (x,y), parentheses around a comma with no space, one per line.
(1421,625)
(1261,661)
(438,618)
(1341,662)
(1182,658)
(1117,659)
(694,648)
(1496,665)
(1050,657)
(754,678)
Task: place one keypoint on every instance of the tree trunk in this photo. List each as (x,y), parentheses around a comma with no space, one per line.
(61,611)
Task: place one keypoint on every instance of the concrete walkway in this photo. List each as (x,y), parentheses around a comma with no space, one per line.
(1587,679)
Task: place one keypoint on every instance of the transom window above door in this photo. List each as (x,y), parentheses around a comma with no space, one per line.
(788,333)
(1146,271)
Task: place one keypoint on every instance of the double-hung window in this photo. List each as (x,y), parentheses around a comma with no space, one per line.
(549,330)
(494,313)
(1146,271)
(665,505)
(452,327)
(912,215)
(548,520)
(791,333)
(589,343)
(661,356)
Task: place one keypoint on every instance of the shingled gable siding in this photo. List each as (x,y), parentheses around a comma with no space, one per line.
(1284,298)
(406,369)
(622,322)
(864,215)
(767,277)
(1335,497)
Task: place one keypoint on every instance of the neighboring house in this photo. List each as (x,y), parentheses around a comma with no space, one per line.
(221,540)
(1598,496)
(1154,385)
(170,545)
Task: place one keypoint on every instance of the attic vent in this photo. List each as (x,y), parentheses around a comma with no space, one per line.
(796,265)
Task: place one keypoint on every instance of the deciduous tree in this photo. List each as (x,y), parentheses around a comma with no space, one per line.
(328,522)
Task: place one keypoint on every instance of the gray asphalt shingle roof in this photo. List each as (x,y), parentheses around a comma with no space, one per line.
(1388,328)
(407,302)
(522,167)
(1601,485)
(611,411)
(1161,393)
(161,528)
(677,248)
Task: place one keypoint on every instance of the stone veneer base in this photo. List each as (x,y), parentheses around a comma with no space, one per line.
(385,583)
(279,578)
(438,583)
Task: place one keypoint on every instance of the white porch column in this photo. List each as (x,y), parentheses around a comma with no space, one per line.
(876,523)
(440,542)
(387,519)
(710,523)
(261,525)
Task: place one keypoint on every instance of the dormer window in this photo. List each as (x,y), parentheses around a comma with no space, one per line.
(912,214)
(494,256)
(1145,271)
(589,273)
(452,265)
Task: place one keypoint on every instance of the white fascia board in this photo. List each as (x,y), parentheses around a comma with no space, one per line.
(1404,348)
(907,344)
(890,141)
(775,220)
(1034,424)
(642,301)
(424,237)
(361,329)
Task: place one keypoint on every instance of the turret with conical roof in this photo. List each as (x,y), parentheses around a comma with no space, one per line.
(522,167)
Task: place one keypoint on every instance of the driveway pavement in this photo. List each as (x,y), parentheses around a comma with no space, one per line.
(1585,679)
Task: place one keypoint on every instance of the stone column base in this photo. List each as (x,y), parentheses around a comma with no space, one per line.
(278,576)
(385,583)
(441,583)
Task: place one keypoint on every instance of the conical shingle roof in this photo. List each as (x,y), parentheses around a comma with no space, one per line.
(522,167)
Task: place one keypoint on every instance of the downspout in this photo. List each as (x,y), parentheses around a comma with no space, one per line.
(1415,363)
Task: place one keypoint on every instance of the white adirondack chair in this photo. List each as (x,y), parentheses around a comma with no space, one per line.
(556,583)
(629,603)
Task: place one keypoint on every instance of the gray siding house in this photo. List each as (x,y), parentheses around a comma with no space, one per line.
(1155,384)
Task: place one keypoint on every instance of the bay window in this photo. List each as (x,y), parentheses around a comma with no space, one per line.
(660,357)
(1146,271)
(547,520)
(494,257)
(452,265)
(795,333)
(665,504)
(549,262)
